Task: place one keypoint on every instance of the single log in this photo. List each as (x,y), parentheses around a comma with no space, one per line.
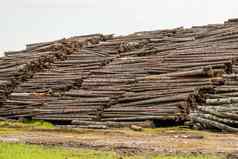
(220,101)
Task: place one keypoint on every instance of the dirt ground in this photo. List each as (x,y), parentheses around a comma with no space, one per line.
(129,141)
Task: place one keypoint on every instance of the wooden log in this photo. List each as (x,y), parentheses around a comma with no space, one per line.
(220,101)
(216,112)
(217,119)
(141,118)
(212,123)
(144,124)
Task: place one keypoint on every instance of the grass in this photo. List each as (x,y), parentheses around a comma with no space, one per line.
(37,124)
(24,151)
(26,125)
(14,127)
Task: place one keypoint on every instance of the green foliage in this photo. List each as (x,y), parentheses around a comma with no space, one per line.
(23,151)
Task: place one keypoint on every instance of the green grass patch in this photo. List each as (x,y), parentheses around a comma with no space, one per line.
(24,151)
(40,124)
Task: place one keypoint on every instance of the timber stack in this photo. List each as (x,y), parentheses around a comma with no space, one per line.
(217,107)
(145,78)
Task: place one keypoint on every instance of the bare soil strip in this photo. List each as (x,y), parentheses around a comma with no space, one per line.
(128,141)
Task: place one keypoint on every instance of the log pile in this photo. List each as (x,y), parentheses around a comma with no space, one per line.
(217,107)
(17,69)
(101,81)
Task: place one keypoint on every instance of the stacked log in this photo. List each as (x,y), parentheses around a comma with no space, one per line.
(216,107)
(101,81)
(23,66)
(156,97)
(54,86)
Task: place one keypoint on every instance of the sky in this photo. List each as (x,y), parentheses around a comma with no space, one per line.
(30,21)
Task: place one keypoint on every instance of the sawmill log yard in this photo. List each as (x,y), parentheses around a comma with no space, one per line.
(169,92)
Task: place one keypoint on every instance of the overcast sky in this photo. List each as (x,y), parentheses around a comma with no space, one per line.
(29,21)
